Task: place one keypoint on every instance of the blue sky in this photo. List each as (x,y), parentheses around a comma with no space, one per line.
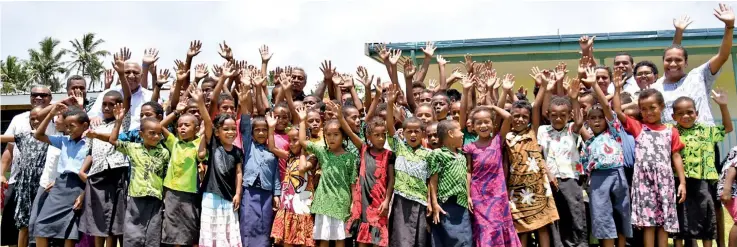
(303,33)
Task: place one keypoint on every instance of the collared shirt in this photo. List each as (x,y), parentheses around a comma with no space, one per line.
(604,151)
(138,98)
(452,170)
(630,86)
(410,170)
(19,124)
(147,168)
(696,85)
(73,153)
(561,151)
(104,155)
(181,174)
(259,162)
(698,155)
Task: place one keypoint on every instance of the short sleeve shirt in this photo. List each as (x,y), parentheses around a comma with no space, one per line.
(221,169)
(561,151)
(182,172)
(411,171)
(73,153)
(147,168)
(698,155)
(104,155)
(452,170)
(604,151)
(696,85)
(333,196)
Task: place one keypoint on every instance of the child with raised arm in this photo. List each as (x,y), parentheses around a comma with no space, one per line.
(261,182)
(603,157)
(107,174)
(222,184)
(375,184)
(332,199)
(32,163)
(58,217)
(408,222)
(181,219)
(657,147)
(531,199)
(696,216)
(449,191)
(488,199)
(293,222)
(148,161)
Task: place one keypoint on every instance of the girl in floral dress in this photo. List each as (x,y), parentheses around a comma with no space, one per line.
(293,222)
(531,199)
(657,149)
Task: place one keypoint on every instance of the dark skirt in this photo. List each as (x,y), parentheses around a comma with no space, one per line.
(142,222)
(697,216)
(454,228)
(256,216)
(181,220)
(408,224)
(57,218)
(38,202)
(104,203)
(8,231)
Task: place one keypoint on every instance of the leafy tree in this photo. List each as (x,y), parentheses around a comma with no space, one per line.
(15,75)
(46,63)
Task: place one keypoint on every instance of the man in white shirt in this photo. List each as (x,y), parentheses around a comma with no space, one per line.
(624,61)
(139,96)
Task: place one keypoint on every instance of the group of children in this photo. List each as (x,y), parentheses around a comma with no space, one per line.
(481,167)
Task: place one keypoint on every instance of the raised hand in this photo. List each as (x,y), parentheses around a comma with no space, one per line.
(286,82)
(468,63)
(327,69)
(441,60)
(347,81)
(119,62)
(194,48)
(109,77)
(182,71)
(302,112)
(536,75)
(583,63)
(586,43)
(229,70)
(394,56)
(725,14)
(574,89)
(225,51)
(508,82)
(271,119)
(265,55)
(243,89)
(617,77)
(383,52)
(258,79)
(409,69)
(217,71)
(590,78)
(489,65)
(433,84)
(150,56)
(200,71)
(682,23)
(119,111)
(196,94)
(457,73)
(560,71)
(429,49)
(163,78)
(392,93)
(719,96)
(468,81)
(125,53)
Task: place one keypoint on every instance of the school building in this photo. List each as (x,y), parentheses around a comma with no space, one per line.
(516,55)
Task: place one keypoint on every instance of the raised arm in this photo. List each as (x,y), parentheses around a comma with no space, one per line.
(573,91)
(302,127)
(441,70)
(681,24)
(344,124)
(265,57)
(429,50)
(394,56)
(409,73)
(505,118)
(271,122)
(328,71)
(119,66)
(720,97)
(40,133)
(182,77)
(150,57)
(228,73)
(198,96)
(536,115)
(363,78)
(244,95)
(350,84)
(375,102)
(259,83)
(161,79)
(590,81)
(616,101)
(725,14)
(392,95)
(468,83)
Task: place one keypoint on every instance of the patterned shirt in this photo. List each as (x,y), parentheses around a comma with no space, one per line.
(34,151)
(729,162)
(452,174)
(103,153)
(561,151)
(147,168)
(181,175)
(696,85)
(410,170)
(604,151)
(699,155)
(339,173)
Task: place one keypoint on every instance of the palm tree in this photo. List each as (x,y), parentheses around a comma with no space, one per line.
(86,58)
(14,75)
(45,63)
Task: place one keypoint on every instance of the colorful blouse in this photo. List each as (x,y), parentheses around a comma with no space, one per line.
(729,162)
(699,155)
(333,195)
(561,151)
(147,168)
(452,174)
(411,171)
(604,151)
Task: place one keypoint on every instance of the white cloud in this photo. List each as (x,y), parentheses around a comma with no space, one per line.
(305,33)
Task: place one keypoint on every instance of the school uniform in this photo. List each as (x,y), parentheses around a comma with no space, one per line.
(181,222)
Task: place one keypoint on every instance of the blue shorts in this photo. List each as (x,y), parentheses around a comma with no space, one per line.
(609,198)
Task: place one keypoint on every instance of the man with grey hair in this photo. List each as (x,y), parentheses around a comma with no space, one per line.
(40,97)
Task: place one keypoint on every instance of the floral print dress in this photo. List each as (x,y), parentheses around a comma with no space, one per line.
(368,195)
(293,222)
(653,183)
(29,175)
(531,199)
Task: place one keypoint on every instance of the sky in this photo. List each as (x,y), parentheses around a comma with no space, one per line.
(304,33)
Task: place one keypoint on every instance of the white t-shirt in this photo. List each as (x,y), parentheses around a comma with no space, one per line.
(22,123)
(697,85)
(630,86)
(137,100)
